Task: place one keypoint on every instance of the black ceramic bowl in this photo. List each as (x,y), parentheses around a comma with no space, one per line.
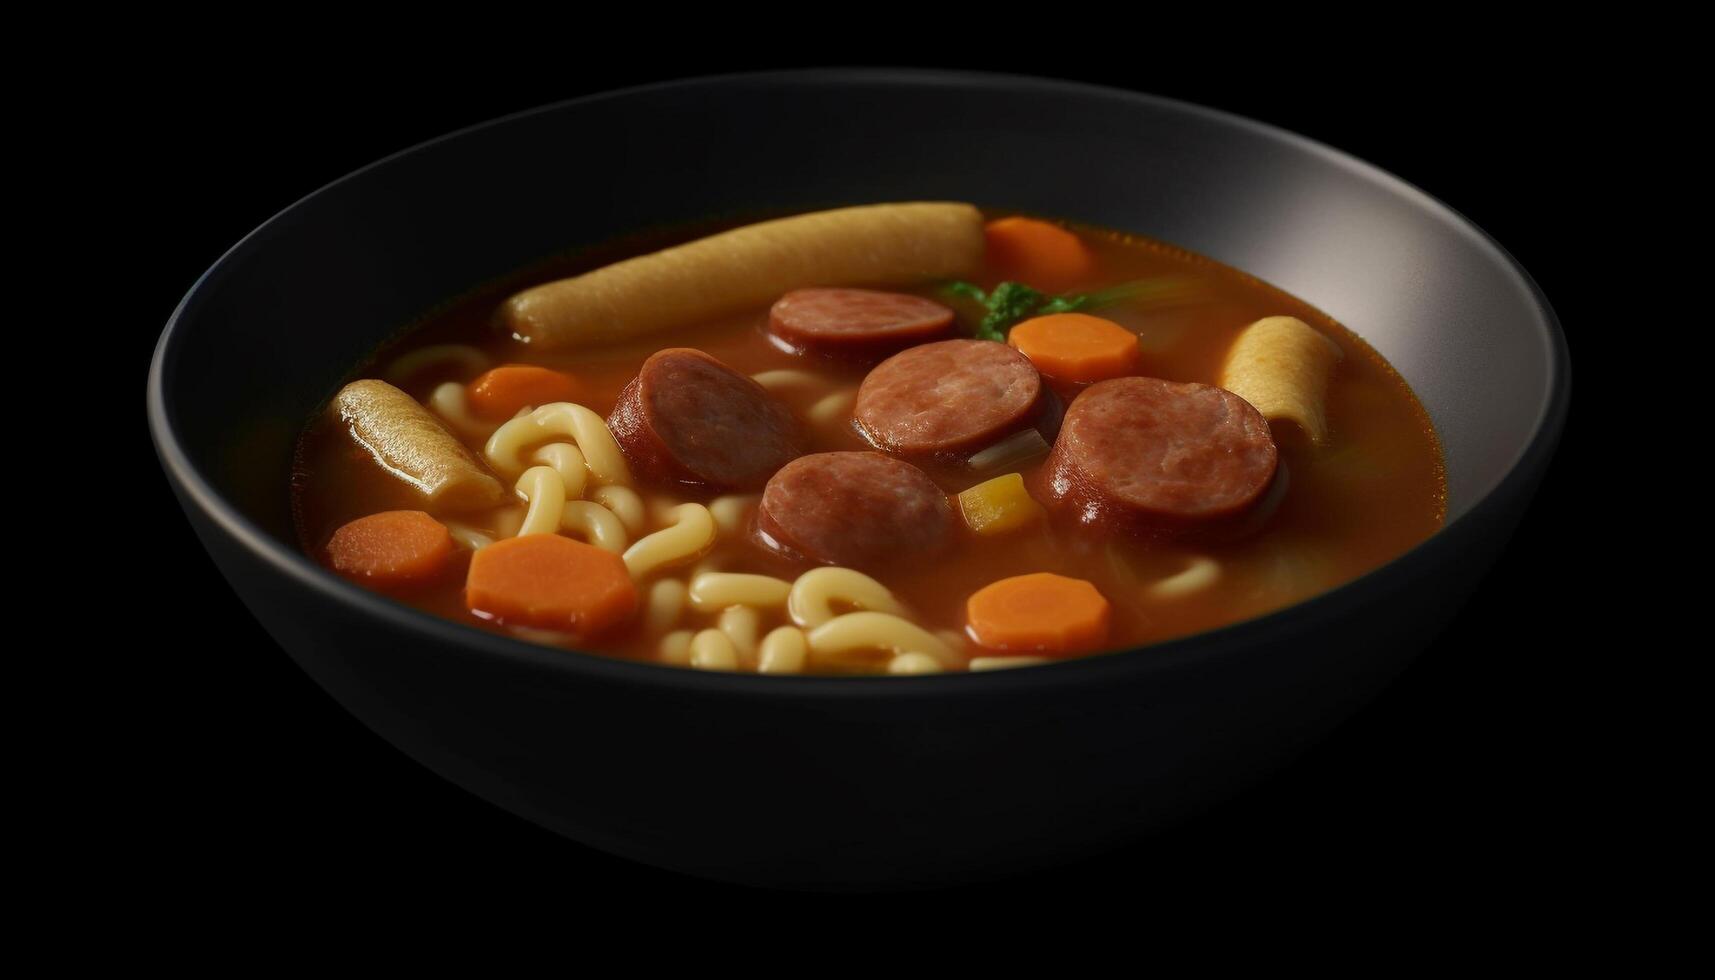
(829,782)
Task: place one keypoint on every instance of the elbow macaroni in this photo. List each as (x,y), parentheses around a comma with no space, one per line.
(730,511)
(625,504)
(664,606)
(585,428)
(595,524)
(1201,573)
(690,534)
(813,597)
(832,408)
(714,591)
(742,625)
(879,631)
(784,651)
(582,486)
(712,650)
(541,489)
(448,401)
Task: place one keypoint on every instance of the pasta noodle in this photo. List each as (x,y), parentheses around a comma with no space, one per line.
(550,512)
(625,504)
(541,488)
(664,606)
(832,408)
(784,651)
(467,536)
(595,524)
(468,359)
(1197,576)
(1281,366)
(913,663)
(878,631)
(659,510)
(730,511)
(675,648)
(566,460)
(787,380)
(713,591)
(560,472)
(691,533)
(712,650)
(449,402)
(742,625)
(813,597)
(585,428)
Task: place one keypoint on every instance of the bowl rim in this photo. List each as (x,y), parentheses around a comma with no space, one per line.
(1197,650)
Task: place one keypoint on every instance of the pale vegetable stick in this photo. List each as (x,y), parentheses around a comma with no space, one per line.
(871,245)
(1281,366)
(414,446)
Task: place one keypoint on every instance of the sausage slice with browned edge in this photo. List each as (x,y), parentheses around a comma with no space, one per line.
(857,509)
(949,398)
(688,418)
(860,323)
(1143,455)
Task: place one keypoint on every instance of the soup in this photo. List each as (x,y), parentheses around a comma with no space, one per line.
(905,438)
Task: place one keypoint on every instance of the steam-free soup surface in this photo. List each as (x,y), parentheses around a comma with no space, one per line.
(1371,490)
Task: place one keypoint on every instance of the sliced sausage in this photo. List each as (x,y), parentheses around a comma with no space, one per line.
(688,418)
(857,509)
(1143,455)
(859,323)
(949,398)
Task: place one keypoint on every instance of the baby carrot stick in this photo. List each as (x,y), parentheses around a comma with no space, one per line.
(392,549)
(1035,252)
(498,394)
(550,582)
(1043,612)
(1077,347)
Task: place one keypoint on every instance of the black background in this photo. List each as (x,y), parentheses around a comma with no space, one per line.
(1455,778)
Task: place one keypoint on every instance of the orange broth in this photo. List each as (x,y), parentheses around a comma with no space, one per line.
(1374,491)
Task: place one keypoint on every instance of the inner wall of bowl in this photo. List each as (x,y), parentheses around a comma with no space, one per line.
(284,319)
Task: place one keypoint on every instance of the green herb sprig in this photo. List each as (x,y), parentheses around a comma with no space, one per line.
(1011,302)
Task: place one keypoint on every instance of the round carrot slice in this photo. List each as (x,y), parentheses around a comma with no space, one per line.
(501,392)
(392,549)
(1037,253)
(1041,612)
(550,582)
(1077,347)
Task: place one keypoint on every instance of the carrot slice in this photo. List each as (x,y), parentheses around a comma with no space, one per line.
(1077,347)
(1037,253)
(550,582)
(392,549)
(1043,612)
(500,392)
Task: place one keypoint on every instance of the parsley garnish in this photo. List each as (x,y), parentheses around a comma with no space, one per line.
(1011,302)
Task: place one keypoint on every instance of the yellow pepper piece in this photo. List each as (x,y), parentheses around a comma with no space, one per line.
(999,505)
